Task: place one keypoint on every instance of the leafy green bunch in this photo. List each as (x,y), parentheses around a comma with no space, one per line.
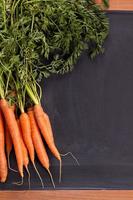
(51,35)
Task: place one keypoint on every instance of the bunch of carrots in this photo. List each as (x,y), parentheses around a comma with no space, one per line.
(38,39)
(23,133)
(22,126)
(23,123)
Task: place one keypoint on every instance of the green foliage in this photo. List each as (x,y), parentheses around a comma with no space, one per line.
(45,37)
(106,3)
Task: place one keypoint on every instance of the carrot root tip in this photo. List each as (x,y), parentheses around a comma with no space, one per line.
(38,175)
(70,153)
(28,177)
(9,166)
(51,177)
(19,183)
(60,171)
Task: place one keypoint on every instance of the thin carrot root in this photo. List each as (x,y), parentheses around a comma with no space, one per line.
(9,166)
(28,177)
(60,172)
(63,155)
(70,153)
(51,177)
(38,175)
(19,183)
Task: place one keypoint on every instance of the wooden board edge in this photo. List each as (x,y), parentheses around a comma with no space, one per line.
(68,194)
(126,5)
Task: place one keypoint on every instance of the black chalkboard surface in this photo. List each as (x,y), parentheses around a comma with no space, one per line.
(91,110)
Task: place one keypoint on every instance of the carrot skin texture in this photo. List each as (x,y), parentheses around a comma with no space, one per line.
(3,161)
(42,124)
(24,149)
(26,133)
(37,141)
(8,141)
(49,127)
(14,132)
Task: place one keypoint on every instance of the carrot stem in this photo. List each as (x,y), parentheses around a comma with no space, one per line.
(31,94)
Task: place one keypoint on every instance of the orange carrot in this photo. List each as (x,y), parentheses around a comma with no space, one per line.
(25,152)
(14,132)
(26,133)
(37,141)
(38,144)
(13,107)
(24,149)
(8,136)
(42,123)
(8,141)
(3,161)
(46,118)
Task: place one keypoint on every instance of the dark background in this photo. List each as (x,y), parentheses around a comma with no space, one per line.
(91,110)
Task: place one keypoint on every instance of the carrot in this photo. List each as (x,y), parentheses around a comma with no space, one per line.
(3,161)
(8,137)
(14,132)
(25,152)
(26,133)
(8,142)
(46,118)
(38,144)
(37,141)
(24,149)
(45,130)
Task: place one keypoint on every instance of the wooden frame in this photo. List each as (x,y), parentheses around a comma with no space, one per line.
(77,195)
(119,4)
(68,195)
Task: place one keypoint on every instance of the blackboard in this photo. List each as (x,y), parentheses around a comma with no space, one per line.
(91,110)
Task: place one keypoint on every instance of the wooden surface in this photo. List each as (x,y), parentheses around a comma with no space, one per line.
(66,195)
(76,195)
(120,4)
